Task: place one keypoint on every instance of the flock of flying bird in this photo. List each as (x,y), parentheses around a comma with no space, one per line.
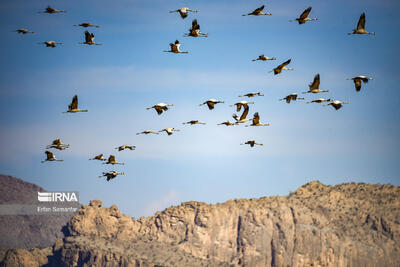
(194,31)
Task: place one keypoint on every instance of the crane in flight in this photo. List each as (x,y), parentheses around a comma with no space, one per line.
(256,121)
(304,17)
(160,107)
(73,107)
(57,144)
(87,24)
(183,12)
(358,79)
(314,86)
(23,31)
(175,48)
(194,31)
(252,143)
(211,103)
(291,97)
(258,12)
(89,39)
(337,104)
(50,157)
(51,44)
(111,175)
(361,27)
(281,67)
(50,10)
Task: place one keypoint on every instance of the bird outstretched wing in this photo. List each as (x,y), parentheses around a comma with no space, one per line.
(315,83)
(305,13)
(74,103)
(258,10)
(284,64)
(361,22)
(256,118)
(195,25)
(245,112)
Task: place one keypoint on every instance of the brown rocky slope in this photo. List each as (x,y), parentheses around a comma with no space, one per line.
(27,231)
(318,225)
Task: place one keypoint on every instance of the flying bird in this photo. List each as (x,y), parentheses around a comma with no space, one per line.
(73,107)
(194,31)
(89,39)
(192,122)
(57,144)
(252,143)
(147,132)
(319,100)
(211,103)
(242,118)
(281,67)
(337,104)
(258,12)
(175,48)
(304,17)
(99,157)
(358,79)
(160,107)
(361,27)
(23,31)
(252,95)
(314,86)
(291,97)
(50,43)
(241,104)
(111,160)
(263,58)
(226,123)
(183,11)
(256,121)
(50,10)
(87,24)
(50,157)
(123,147)
(169,131)
(111,175)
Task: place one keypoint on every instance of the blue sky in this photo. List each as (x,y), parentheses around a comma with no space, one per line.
(118,80)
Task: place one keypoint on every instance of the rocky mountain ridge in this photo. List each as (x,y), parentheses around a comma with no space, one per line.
(27,231)
(317,225)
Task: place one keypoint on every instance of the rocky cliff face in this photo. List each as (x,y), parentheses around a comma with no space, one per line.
(318,225)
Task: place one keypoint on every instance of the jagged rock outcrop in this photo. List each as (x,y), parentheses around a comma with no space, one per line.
(27,231)
(318,225)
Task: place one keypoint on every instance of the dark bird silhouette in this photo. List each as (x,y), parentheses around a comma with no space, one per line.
(50,157)
(258,12)
(304,17)
(314,86)
(357,81)
(183,12)
(175,48)
(194,31)
(281,67)
(291,97)
(361,27)
(73,107)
